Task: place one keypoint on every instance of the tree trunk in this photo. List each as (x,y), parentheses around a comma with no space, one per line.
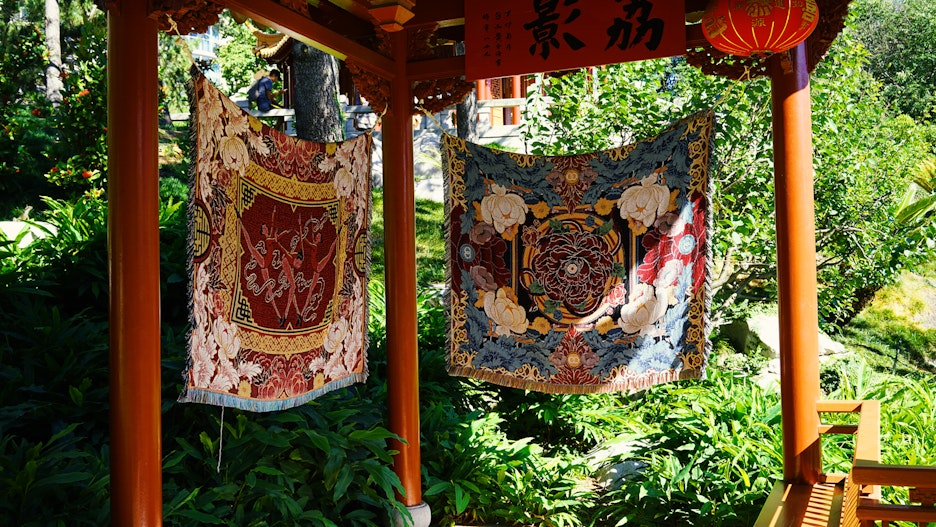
(316,99)
(466,117)
(54,46)
(466,112)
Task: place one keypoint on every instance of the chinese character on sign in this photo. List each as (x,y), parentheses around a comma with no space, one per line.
(545,27)
(512,37)
(636,11)
(496,35)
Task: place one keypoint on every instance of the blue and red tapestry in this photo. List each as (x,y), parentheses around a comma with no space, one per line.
(583,273)
(279,259)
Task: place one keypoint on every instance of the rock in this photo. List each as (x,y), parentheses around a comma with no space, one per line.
(761,333)
(614,476)
(13,229)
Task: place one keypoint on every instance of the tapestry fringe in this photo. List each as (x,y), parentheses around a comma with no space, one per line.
(190,88)
(631,386)
(257,405)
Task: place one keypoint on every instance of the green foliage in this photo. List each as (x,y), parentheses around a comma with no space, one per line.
(900,36)
(713,452)
(236,57)
(324,464)
(858,190)
(489,478)
(174,67)
(430,240)
(23,113)
(79,152)
(889,334)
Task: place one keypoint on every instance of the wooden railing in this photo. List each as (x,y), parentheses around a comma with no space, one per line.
(854,499)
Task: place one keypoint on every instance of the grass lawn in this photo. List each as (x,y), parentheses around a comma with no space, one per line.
(430,241)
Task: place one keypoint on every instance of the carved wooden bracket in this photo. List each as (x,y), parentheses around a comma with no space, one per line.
(390,15)
(190,16)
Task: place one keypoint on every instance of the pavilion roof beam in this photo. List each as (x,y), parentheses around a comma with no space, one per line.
(431,69)
(445,14)
(443,68)
(349,24)
(304,29)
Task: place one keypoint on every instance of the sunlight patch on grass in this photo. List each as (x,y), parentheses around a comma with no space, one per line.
(897,331)
(430,241)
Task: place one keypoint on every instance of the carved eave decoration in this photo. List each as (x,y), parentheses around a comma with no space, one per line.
(272,47)
(188,16)
(432,96)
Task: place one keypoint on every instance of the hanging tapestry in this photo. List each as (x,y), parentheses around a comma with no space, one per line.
(278,260)
(583,273)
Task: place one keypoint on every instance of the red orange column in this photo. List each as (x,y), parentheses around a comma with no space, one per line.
(516,91)
(400,240)
(796,267)
(133,247)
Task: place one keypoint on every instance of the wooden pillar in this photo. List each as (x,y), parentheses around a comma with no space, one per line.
(516,83)
(133,249)
(796,267)
(400,239)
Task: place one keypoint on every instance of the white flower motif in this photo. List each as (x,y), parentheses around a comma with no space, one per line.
(204,182)
(360,157)
(229,342)
(210,108)
(234,154)
(249,370)
(508,316)
(354,342)
(256,142)
(645,202)
(344,182)
(502,209)
(317,365)
(643,311)
(200,298)
(237,122)
(669,274)
(203,353)
(335,367)
(226,377)
(335,338)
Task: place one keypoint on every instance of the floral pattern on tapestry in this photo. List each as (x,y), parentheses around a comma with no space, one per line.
(582,273)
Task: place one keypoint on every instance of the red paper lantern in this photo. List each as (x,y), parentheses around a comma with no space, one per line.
(758,27)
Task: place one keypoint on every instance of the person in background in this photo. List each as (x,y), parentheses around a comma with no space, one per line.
(265,93)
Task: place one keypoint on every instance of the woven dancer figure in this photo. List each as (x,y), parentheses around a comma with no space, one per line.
(263,256)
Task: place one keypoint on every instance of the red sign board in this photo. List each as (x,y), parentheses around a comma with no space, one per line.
(512,37)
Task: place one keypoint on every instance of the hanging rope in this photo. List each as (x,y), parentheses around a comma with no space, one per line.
(745,77)
(180,40)
(431,117)
(220,440)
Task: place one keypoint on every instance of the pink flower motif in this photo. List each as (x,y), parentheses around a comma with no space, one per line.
(617,296)
(481,233)
(483,278)
(296,383)
(275,383)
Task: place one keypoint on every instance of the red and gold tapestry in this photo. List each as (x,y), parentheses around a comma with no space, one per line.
(583,273)
(279,257)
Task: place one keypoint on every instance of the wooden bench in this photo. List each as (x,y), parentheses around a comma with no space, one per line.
(854,499)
